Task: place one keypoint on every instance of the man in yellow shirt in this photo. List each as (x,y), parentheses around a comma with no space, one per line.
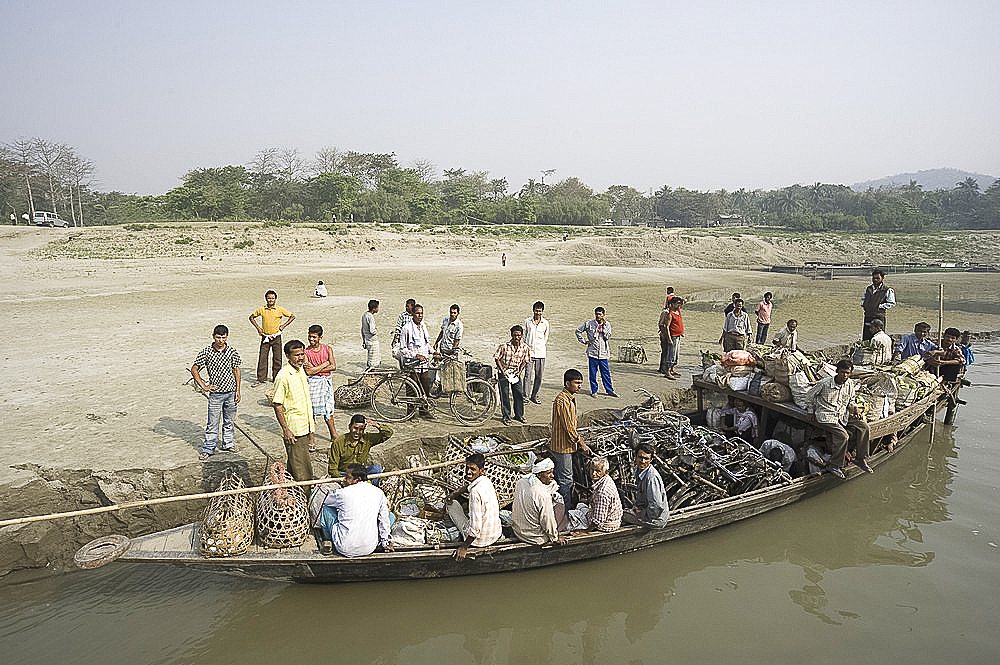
(293,409)
(269,329)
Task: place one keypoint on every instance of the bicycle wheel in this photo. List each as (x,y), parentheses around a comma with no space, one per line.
(475,404)
(396,398)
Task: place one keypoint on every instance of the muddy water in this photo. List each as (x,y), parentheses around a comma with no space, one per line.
(899,567)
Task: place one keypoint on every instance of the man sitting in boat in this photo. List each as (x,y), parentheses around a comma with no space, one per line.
(787,337)
(949,359)
(604,513)
(355,518)
(537,501)
(832,404)
(353,447)
(881,344)
(651,506)
(744,421)
(481,527)
(916,343)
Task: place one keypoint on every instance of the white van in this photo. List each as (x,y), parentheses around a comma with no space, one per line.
(43,218)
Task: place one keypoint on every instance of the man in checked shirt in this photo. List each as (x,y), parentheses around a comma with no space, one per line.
(481,527)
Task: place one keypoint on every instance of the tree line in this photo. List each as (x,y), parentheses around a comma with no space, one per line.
(348,186)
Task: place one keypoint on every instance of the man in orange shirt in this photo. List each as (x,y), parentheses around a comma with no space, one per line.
(269,329)
(564,439)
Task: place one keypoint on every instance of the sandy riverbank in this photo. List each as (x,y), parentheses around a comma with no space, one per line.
(105,323)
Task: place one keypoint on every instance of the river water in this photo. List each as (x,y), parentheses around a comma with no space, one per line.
(899,567)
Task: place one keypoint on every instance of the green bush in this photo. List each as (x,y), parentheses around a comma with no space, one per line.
(243,244)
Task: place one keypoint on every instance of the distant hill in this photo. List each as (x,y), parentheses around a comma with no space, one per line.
(931,179)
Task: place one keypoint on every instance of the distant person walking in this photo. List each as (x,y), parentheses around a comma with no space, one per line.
(878,298)
(269,329)
(223,388)
(503,260)
(369,334)
(536,336)
(763,312)
(595,334)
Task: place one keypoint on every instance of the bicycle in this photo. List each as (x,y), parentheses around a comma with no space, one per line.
(397,397)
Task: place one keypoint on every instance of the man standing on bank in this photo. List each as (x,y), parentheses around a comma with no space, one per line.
(223,388)
(595,335)
(536,336)
(293,409)
(369,335)
(877,299)
(737,329)
(269,329)
(564,439)
(511,358)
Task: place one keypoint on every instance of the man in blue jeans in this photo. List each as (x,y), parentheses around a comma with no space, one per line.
(595,335)
(223,365)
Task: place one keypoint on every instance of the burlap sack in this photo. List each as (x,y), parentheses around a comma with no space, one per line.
(775,392)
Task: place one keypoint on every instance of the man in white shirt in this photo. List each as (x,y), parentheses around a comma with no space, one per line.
(355,518)
(881,343)
(536,336)
(788,337)
(415,350)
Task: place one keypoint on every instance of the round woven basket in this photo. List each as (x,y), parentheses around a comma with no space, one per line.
(282,514)
(227,525)
(356,394)
(503,474)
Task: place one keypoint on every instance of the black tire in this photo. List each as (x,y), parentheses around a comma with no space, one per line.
(476,404)
(396,398)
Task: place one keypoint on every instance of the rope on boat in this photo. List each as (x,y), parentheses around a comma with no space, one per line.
(245,490)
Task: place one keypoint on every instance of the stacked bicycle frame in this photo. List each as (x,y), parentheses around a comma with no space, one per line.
(696,464)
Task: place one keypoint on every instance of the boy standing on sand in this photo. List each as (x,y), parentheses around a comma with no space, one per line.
(320,363)
(269,329)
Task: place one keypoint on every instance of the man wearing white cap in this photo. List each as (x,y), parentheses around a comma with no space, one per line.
(533,513)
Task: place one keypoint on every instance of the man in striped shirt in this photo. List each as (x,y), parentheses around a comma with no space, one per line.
(481,527)
(604,513)
(293,409)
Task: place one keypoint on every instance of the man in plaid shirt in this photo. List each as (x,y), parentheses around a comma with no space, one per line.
(511,358)
(482,525)
(605,510)
(223,365)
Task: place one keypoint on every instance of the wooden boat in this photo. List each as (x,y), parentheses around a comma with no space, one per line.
(179,546)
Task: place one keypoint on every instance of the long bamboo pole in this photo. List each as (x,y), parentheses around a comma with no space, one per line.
(245,490)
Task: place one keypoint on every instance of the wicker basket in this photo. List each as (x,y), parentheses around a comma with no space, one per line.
(282,514)
(356,394)
(503,474)
(227,526)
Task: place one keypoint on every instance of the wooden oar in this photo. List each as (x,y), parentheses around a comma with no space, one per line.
(245,490)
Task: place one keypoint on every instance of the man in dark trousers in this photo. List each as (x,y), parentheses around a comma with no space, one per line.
(877,299)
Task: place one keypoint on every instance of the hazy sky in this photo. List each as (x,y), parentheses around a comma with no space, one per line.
(696,94)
